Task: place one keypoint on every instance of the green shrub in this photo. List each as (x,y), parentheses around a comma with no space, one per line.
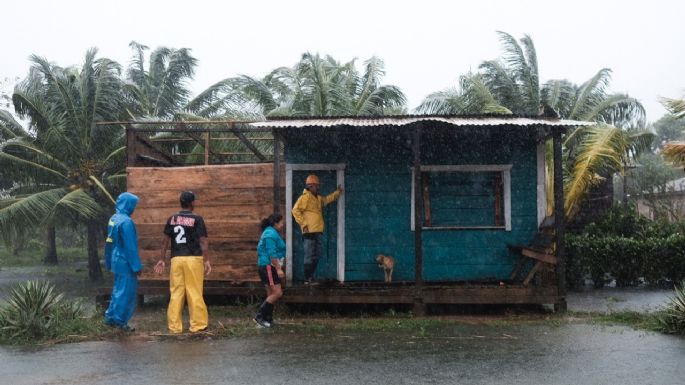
(35,311)
(628,248)
(626,261)
(672,319)
(620,222)
(575,264)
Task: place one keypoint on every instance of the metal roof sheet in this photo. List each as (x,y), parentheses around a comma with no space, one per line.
(405,120)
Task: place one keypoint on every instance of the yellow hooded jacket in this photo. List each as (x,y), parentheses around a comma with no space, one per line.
(308,210)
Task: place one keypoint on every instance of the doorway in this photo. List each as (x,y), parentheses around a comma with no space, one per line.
(332,262)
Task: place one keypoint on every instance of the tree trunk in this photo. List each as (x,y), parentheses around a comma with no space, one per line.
(94,269)
(51,251)
(18,245)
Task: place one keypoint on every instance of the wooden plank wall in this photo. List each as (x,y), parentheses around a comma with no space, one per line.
(231,198)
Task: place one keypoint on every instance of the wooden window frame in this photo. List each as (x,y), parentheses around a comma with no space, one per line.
(504,169)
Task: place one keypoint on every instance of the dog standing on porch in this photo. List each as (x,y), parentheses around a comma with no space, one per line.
(387,263)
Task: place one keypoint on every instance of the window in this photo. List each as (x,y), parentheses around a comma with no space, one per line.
(464,197)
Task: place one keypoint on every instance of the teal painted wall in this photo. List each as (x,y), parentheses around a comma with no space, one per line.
(378,197)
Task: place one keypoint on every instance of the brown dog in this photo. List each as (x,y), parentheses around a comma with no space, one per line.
(387,263)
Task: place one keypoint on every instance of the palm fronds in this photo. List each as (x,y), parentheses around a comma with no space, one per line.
(34,311)
(29,212)
(675,153)
(78,203)
(161,90)
(603,148)
(63,163)
(674,106)
(10,128)
(672,319)
(315,86)
(472,97)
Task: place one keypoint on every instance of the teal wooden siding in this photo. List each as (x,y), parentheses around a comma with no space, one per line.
(378,182)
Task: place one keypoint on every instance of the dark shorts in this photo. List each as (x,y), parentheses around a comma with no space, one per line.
(269,275)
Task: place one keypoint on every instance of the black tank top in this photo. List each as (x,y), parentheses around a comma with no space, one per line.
(185,230)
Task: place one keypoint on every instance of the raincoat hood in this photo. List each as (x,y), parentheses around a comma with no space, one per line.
(126,203)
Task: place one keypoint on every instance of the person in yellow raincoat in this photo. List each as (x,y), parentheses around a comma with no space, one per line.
(308,213)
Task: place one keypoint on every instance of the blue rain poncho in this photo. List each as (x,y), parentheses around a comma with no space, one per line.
(122,259)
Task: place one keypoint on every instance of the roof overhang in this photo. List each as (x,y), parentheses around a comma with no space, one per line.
(406,120)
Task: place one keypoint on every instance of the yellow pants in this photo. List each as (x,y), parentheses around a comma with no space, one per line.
(186,280)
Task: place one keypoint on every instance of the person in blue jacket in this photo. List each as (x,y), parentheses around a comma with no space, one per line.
(122,259)
(270,254)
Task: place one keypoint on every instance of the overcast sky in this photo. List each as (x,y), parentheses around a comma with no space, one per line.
(425,44)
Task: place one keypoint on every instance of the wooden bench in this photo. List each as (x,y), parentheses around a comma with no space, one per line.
(540,251)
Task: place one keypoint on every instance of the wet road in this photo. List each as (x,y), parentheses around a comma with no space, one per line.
(466,354)
(610,299)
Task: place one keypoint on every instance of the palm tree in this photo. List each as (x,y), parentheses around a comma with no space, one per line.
(11,128)
(674,106)
(67,169)
(512,85)
(514,81)
(315,86)
(158,90)
(472,97)
(675,151)
(319,86)
(161,91)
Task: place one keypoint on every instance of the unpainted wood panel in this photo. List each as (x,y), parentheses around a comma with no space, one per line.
(210,214)
(218,256)
(220,272)
(224,229)
(187,178)
(215,244)
(207,196)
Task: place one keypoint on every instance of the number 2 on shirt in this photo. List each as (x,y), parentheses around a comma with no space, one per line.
(180,234)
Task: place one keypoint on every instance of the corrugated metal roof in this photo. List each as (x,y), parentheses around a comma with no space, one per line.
(405,120)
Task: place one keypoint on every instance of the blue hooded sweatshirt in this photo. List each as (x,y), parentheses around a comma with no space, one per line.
(270,245)
(121,246)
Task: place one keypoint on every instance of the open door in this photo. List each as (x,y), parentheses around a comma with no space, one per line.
(332,262)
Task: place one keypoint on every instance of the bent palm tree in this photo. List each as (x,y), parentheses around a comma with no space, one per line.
(675,151)
(67,169)
(674,106)
(158,90)
(472,97)
(319,86)
(161,91)
(315,86)
(512,85)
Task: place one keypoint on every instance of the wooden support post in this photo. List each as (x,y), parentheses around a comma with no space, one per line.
(130,146)
(428,220)
(559,220)
(277,171)
(206,148)
(419,307)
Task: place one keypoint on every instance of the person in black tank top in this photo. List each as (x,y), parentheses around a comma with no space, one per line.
(185,229)
(186,233)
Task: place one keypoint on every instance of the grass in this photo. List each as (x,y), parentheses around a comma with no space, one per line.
(632,319)
(235,321)
(34,256)
(35,312)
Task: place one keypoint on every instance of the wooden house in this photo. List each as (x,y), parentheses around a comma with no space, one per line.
(446,196)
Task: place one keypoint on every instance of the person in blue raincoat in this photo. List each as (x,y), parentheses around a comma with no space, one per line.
(122,259)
